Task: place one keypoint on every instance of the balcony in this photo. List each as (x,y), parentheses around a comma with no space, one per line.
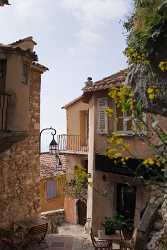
(72,144)
(4,101)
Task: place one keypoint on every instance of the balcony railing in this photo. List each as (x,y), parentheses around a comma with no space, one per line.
(72,143)
(4,100)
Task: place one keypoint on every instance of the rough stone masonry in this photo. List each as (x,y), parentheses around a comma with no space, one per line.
(19,165)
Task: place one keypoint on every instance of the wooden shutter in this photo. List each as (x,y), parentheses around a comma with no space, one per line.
(102,119)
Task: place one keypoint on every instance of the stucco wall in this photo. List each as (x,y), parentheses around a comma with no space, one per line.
(19,167)
(137,147)
(73,117)
(104,197)
(69,202)
(70,210)
(58,201)
(18,116)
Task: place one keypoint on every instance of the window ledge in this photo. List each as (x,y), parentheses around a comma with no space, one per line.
(125,133)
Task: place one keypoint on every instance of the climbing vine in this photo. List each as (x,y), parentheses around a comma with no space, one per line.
(123,97)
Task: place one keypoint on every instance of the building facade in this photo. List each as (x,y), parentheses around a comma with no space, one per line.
(20,83)
(114,190)
(73,148)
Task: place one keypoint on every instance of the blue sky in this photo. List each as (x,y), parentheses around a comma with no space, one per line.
(76,39)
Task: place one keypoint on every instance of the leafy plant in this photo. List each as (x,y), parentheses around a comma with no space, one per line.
(147,27)
(108,225)
(77,187)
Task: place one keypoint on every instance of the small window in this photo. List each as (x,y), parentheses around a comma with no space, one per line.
(102,119)
(25,71)
(123,121)
(51,189)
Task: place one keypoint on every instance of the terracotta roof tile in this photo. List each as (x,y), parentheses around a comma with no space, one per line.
(106,82)
(48,166)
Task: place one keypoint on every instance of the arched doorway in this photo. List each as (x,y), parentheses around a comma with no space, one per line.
(81,210)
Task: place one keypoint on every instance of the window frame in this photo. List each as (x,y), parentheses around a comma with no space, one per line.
(101,109)
(125,119)
(125,131)
(51,197)
(25,73)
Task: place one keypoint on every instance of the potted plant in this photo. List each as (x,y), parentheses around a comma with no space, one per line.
(108,225)
(119,222)
(128,229)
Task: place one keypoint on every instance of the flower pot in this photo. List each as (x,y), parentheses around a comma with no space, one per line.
(109,231)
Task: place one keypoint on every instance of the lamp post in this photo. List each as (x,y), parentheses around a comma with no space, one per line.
(53,146)
(41,134)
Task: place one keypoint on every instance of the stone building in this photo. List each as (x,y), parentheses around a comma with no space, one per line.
(20,82)
(110,195)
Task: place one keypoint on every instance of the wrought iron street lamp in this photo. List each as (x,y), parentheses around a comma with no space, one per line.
(52,129)
(53,147)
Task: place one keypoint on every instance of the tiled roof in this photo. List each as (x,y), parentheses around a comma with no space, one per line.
(106,82)
(72,102)
(48,166)
(40,67)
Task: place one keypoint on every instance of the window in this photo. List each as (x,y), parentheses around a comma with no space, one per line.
(126,200)
(3,64)
(102,119)
(126,124)
(25,71)
(51,189)
(123,121)
(84,126)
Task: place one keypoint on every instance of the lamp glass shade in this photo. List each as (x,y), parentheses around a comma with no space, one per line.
(53,147)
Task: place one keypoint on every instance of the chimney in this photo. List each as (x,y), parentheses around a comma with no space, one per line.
(89,82)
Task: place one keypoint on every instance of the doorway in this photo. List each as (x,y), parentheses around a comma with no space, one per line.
(126,201)
(81,209)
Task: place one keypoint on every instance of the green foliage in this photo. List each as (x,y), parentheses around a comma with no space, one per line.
(117,223)
(108,225)
(77,187)
(146,28)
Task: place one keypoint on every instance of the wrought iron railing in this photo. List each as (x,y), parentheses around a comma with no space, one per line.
(4,101)
(72,143)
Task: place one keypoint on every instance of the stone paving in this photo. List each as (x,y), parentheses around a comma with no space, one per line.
(69,237)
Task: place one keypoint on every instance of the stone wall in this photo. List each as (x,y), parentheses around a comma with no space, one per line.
(19,167)
(153,225)
(54,218)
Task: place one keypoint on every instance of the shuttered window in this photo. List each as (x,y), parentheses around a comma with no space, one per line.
(51,189)
(102,119)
